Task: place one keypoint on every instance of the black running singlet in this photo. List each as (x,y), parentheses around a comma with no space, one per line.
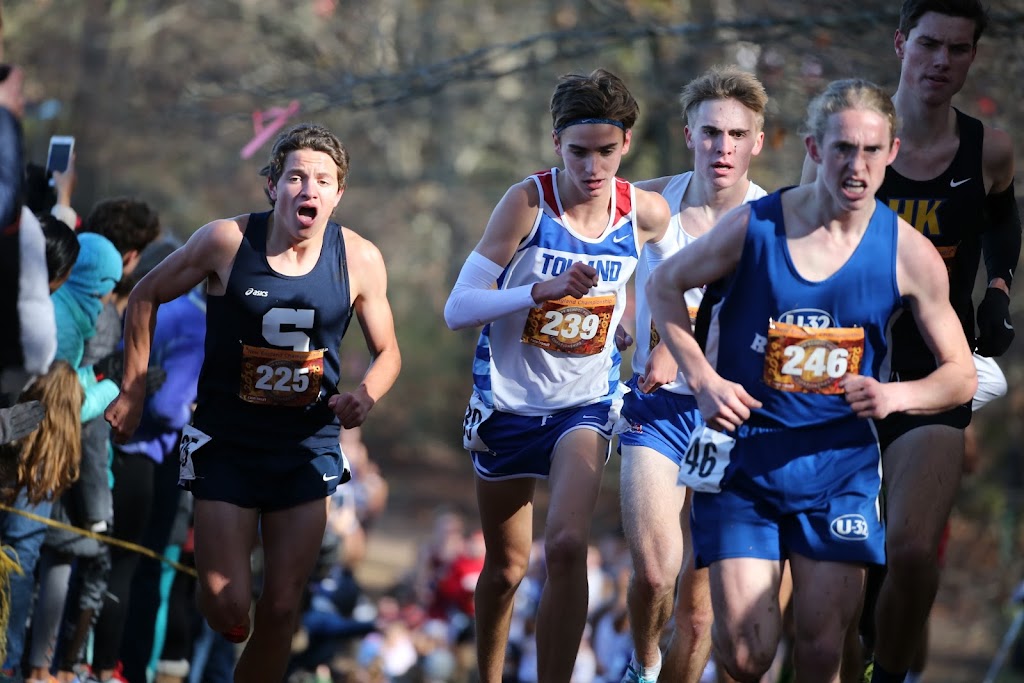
(948,210)
(272,348)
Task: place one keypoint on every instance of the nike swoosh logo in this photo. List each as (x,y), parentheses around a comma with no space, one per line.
(326,478)
(1007,325)
(620,238)
(957,183)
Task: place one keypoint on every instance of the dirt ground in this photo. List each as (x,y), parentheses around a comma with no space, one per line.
(970,616)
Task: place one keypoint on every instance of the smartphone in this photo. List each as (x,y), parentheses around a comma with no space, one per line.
(59,156)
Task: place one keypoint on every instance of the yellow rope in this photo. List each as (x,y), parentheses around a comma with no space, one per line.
(8,564)
(102,538)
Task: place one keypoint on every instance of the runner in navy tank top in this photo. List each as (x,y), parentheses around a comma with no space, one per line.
(806,281)
(262,453)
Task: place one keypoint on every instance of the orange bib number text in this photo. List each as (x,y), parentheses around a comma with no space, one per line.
(577,326)
(811,360)
(280,378)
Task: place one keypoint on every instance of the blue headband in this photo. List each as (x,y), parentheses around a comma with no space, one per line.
(577,122)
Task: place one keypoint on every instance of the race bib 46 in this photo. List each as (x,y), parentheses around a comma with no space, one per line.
(706,458)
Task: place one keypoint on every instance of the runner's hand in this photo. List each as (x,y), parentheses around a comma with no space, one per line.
(725,405)
(352,407)
(661,368)
(995,331)
(124,415)
(866,396)
(623,340)
(574,282)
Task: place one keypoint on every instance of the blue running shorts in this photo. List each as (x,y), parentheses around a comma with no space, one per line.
(811,491)
(522,445)
(661,420)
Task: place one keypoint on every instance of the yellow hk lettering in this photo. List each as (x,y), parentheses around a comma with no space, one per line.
(920,213)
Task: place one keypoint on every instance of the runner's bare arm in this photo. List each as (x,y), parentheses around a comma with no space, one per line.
(724,404)
(474,300)
(368,275)
(922,279)
(652,214)
(510,223)
(208,254)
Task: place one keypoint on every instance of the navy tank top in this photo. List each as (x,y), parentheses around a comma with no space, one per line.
(272,348)
(948,210)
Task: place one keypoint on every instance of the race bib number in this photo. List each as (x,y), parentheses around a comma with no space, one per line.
(191,440)
(576,326)
(476,413)
(278,377)
(811,360)
(655,337)
(705,460)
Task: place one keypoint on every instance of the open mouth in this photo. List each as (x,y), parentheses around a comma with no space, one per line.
(854,189)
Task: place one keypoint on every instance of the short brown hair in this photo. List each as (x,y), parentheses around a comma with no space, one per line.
(310,136)
(601,95)
(725,83)
(912,11)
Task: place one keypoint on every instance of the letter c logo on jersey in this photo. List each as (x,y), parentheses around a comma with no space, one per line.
(850,528)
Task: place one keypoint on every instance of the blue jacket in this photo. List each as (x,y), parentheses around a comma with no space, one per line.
(177,348)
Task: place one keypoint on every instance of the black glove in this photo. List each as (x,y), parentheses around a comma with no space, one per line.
(995,331)
(112,367)
(20,420)
(155,378)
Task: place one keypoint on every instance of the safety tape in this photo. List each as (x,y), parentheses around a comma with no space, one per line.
(102,538)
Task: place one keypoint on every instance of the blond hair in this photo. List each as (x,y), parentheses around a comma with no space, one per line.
(725,83)
(49,457)
(846,94)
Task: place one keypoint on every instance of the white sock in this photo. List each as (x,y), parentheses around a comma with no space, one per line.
(647,672)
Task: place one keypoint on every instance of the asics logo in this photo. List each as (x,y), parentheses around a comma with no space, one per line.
(957,183)
(326,478)
(255,292)
(620,238)
(1007,325)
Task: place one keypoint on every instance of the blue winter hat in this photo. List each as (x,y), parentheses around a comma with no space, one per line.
(98,267)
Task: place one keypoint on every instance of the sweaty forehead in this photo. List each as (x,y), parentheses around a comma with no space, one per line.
(857,125)
(310,161)
(723,114)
